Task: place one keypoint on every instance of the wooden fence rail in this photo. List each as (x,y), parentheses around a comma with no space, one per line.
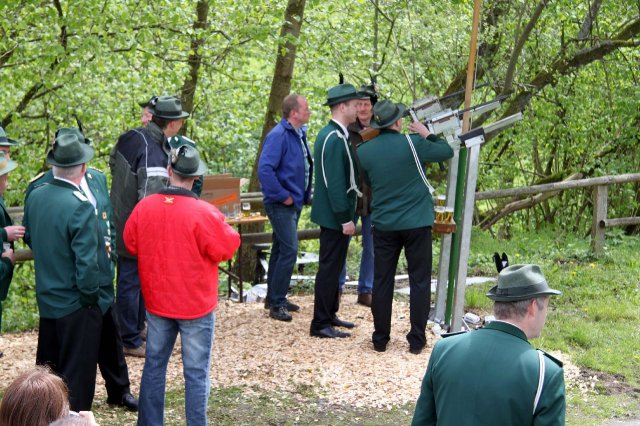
(599,224)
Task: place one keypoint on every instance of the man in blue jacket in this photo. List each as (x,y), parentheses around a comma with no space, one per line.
(285,170)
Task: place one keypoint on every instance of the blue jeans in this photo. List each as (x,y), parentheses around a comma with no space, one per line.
(197,340)
(365,278)
(284,251)
(129,302)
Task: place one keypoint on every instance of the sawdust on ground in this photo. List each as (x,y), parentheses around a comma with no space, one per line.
(257,353)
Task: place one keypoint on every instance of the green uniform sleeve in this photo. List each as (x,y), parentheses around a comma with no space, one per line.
(552,405)
(425,413)
(84,231)
(433,149)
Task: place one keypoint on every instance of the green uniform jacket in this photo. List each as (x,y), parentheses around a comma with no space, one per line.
(489,377)
(401,200)
(68,250)
(97,182)
(6,267)
(333,202)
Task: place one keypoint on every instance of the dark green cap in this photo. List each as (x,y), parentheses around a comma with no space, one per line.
(342,93)
(4,140)
(69,149)
(186,162)
(386,113)
(168,107)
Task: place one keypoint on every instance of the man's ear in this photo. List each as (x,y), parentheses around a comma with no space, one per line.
(169,170)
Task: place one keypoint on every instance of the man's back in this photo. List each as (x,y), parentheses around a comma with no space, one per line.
(489,377)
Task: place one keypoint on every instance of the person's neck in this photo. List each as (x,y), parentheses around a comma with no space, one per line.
(339,118)
(181,184)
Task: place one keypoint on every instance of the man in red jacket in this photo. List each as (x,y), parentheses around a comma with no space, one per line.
(179,241)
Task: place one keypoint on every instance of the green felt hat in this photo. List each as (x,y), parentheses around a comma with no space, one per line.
(73,131)
(4,140)
(386,113)
(69,149)
(6,165)
(520,282)
(341,93)
(186,161)
(168,107)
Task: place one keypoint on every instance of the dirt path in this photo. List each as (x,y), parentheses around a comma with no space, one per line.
(254,351)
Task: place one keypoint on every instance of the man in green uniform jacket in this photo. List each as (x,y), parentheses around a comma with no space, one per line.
(111,360)
(493,376)
(402,216)
(334,206)
(70,263)
(9,232)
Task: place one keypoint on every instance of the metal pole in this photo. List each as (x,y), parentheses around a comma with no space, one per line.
(462,163)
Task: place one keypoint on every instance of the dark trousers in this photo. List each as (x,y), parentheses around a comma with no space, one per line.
(333,252)
(111,361)
(131,311)
(70,346)
(417,250)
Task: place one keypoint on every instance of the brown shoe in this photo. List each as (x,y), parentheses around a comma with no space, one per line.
(364,299)
(137,352)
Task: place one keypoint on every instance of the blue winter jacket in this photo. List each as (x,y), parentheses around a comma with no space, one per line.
(281,166)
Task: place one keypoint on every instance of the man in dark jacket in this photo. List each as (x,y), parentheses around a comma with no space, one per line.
(285,171)
(501,378)
(138,165)
(402,216)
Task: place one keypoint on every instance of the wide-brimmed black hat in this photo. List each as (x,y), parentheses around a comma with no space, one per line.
(168,107)
(386,113)
(151,102)
(341,93)
(6,165)
(4,140)
(520,282)
(368,91)
(186,161)
(69,149)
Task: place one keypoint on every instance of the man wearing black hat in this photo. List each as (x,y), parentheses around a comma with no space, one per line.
(138,165)
(179,241)
(6,143)
(501,378)
(111,360)
(334,205)
(64,237)
(402,216)
(364,107)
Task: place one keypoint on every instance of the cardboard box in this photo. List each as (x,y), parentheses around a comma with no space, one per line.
(223,191)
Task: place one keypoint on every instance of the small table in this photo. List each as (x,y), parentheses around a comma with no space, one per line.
(239,221)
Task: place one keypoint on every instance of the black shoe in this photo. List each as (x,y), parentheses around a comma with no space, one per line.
(328,333)
(379,348)
(280,314)
(127,401)
(415,350)
(337,322)
(291,307)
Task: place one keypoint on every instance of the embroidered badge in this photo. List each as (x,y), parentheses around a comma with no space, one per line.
(168,200)
(104,215)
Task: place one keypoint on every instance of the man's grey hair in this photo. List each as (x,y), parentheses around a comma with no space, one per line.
(67,172)
(506,310)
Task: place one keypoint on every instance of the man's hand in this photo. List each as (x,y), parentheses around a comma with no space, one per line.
(419,128)
(8,253)
(288,201)
(14,232)
(349,228)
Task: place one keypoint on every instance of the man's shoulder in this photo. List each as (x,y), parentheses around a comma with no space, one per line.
(552,361)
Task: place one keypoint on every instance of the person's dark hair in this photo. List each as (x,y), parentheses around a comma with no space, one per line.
(290,103)
(161,122)
(506,310)
(35,398)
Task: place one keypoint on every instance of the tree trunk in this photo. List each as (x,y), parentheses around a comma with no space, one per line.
(282,74)
(188,91)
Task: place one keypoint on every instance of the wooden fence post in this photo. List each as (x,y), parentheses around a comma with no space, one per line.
(600,195)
